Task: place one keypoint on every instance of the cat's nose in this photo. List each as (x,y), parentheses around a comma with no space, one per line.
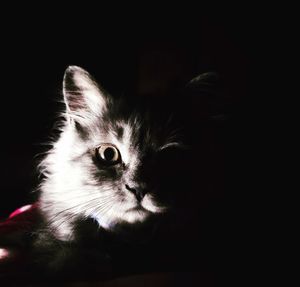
(139,192)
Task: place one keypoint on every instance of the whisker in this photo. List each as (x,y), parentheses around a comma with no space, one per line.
(87,204)
(51,220)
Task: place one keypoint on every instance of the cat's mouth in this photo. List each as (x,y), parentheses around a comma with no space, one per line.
(147,208)
(138,208)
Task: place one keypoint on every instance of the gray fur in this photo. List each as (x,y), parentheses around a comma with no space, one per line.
(76,185)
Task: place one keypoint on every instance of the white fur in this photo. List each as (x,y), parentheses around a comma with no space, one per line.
(69,192)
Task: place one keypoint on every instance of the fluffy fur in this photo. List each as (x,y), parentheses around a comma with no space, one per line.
(77,186)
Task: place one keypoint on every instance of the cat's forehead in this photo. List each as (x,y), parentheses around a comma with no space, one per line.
(133,131)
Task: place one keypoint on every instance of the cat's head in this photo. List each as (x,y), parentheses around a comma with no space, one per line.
(110,163)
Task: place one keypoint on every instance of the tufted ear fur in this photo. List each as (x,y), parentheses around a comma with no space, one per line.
(84,99)
(206,93)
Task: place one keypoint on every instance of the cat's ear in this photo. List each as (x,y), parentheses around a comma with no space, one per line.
(204,82)
(83,97)
(205,92)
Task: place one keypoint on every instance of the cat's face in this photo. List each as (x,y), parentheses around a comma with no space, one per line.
(109,165)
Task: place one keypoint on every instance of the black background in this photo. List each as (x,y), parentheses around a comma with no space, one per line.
(141,54)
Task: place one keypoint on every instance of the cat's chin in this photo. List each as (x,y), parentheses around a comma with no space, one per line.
(132,216)
(137,214)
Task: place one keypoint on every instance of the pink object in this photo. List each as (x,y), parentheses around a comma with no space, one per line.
(21,220)
(12,229)
(20,210)
(4,253)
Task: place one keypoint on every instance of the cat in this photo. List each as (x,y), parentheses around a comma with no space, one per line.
(121,186)
(102,165)
(111,171)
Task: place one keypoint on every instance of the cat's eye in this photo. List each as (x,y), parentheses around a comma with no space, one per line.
(108,154)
